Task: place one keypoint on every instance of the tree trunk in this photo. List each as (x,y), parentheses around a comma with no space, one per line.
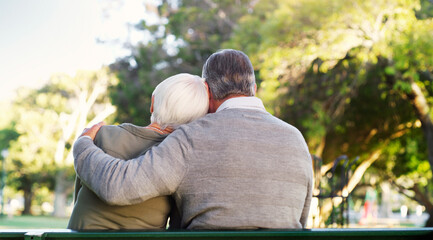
(429,222)
(423,198)
(60,194)
(385,206)
(320,147)
(28,197)
(422,110)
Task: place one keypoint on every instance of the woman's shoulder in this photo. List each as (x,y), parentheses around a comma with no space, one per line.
(129,131)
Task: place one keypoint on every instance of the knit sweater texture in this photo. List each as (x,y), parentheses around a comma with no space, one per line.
(124,141)
(234,169)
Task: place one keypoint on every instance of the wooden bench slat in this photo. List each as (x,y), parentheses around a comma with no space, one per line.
(317,234)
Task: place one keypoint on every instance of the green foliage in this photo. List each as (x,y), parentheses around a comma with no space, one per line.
(406,157)
(187,35)
(31,154)
(344,72)
(313,64)
(7,127)
(426,10)
(43,125)
(341,71)
(6,136)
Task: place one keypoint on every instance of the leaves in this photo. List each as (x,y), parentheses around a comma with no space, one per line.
(344,73)
(44,124)
(186,35)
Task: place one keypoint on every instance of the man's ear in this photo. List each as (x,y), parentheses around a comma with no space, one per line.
(151,103)
(212,108)
(255,88)
(208,91)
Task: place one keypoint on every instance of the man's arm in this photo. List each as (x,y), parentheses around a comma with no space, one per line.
(119,182)
(306,209)
(98,141)
(309,174)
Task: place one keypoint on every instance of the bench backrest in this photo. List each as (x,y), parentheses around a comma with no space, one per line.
(364,234)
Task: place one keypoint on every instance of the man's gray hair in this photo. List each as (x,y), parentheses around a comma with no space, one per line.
(229,72)
(179,99)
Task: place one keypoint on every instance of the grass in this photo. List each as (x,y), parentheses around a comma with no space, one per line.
(32,222)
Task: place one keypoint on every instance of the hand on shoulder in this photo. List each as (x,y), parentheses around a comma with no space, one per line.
(92,131)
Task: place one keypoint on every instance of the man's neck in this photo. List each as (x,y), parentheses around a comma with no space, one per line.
(215,104)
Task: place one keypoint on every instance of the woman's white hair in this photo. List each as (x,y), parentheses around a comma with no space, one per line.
(179,99)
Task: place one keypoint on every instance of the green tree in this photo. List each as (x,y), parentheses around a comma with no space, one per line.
(355,76)
(187,33)
(7,126)
(28,162)
(48,120)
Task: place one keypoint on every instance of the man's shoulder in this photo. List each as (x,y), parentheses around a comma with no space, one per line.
(283,124)
(260,116)
(234,115)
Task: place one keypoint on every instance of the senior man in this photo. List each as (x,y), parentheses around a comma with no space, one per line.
(238,167)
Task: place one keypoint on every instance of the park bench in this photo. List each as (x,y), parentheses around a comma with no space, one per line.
(316,234)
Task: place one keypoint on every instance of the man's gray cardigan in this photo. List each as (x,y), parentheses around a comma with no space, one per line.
(234,169)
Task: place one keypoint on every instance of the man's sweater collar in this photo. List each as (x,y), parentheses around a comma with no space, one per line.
(242,102)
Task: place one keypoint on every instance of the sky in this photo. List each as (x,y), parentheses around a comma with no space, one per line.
(44,37)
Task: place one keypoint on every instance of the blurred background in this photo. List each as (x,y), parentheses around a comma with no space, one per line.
(356,77)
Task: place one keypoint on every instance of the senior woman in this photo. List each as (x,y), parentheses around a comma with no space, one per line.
(177,100)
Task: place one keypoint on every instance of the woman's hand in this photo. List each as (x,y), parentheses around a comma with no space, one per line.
(91,132)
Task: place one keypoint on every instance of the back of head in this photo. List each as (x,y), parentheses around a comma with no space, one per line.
(229,72)
(179,99)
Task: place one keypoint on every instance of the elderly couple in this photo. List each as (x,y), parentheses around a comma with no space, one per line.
(237,167)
